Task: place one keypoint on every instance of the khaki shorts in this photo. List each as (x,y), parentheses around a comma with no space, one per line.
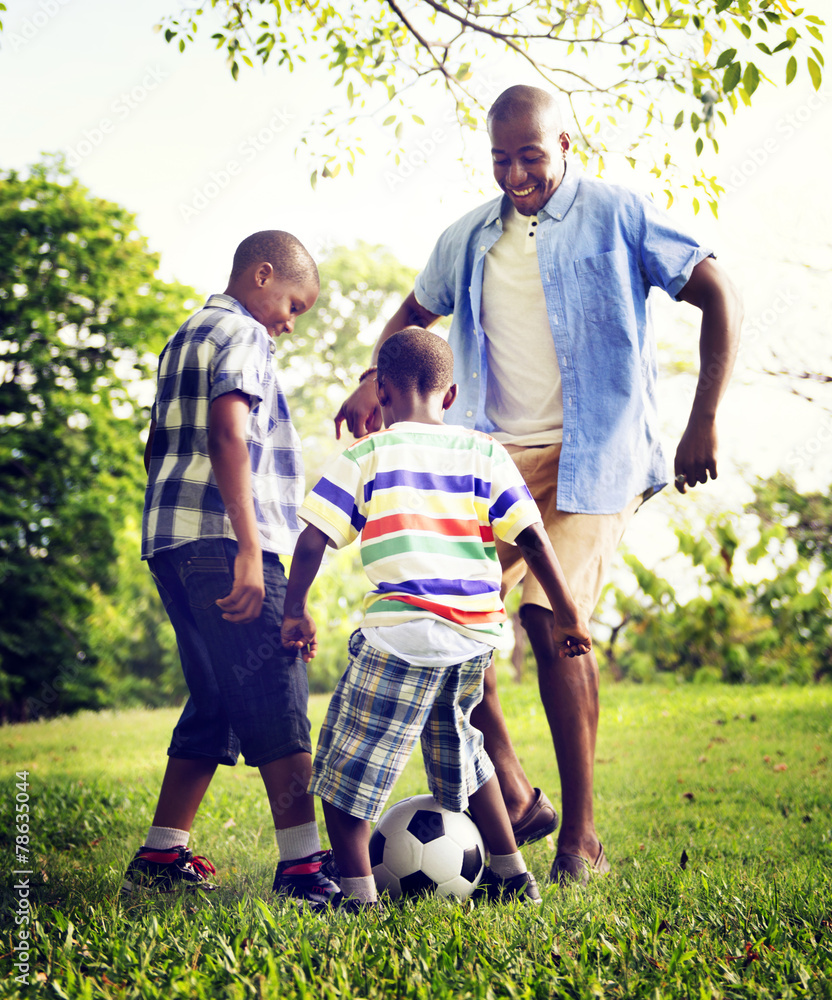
(583,543)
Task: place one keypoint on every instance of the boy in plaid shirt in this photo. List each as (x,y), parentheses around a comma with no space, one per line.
(225,479)
(427,500)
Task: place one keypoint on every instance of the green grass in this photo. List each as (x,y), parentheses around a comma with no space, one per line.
(737,779)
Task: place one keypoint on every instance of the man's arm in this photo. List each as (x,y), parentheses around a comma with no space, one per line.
(228,451)
(571,634)
(361,410)
(299,630)
(710,290)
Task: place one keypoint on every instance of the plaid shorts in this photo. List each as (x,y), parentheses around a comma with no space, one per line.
(379,708)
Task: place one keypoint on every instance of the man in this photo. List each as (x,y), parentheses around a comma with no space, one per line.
(555,357)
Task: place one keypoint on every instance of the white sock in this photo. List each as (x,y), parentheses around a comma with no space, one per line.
(506,866)
(363,888)
(298,841)
(162,838)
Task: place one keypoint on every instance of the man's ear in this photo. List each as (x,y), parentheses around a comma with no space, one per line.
(450,396)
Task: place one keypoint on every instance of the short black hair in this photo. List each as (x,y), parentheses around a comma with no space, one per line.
(521,100)
(287,255)
(416,360)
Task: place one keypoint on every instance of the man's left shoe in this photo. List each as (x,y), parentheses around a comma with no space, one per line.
(497,890)
(540,819)
(574,869)
(308,879)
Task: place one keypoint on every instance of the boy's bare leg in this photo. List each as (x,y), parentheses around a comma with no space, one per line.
(287,780)
(183,788)
(516,788)
(569,692)
(490,814)
(350,840)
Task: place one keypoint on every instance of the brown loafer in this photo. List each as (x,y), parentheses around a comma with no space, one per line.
(574,869)
(540,820)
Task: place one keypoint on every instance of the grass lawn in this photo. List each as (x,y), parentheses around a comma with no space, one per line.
(714,803)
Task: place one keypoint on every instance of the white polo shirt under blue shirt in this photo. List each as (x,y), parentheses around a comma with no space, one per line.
(600,250)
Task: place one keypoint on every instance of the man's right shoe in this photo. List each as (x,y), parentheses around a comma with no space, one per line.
(540,819)
(574,869)
(309,879)
(165,871)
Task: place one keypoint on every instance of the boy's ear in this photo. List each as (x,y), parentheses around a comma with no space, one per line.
(450,396)
(263,272)
(381,392)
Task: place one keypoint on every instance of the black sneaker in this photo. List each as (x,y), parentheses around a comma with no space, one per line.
(309,879)
(494,889)
(349,904)
(165,871)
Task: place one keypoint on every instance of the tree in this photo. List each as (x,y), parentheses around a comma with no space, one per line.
(625,68)
(80,305)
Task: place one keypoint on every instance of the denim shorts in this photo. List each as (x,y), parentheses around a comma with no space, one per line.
(247,693)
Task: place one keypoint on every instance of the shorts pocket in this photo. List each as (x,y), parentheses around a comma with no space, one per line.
(206,578)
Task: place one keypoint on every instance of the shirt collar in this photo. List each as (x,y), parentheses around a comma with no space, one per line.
(219,300)
(565,193)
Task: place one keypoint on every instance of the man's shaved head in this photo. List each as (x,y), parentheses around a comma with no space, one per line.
(531,102)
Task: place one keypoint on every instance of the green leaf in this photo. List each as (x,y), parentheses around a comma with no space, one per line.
(680,120)
(815,73)
(725,58)
(731,77)
(700,145)
(791,69)
(418,120)
(750,79)
(818,55)
(723,5)
(388,120)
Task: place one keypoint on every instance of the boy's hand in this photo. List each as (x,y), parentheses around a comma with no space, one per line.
(572,640)
(245,602)
(299,634)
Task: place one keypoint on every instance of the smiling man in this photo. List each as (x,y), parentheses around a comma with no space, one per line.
(555,357)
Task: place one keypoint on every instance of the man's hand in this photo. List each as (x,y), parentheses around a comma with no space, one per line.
(696,454)
(299,634)
(245,602)
(361,411)
(571,640)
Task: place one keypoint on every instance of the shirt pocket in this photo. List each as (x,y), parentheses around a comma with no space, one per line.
(604,283)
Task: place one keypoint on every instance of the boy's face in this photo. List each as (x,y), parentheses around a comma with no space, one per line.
(277,303)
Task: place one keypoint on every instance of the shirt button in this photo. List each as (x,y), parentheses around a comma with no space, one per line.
(474,375)
(482,247)
(558,215)
(469,413)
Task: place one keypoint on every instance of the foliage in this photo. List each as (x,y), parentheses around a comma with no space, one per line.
(79,306)
(361,286)
(778,628)
(737,779)
(625,68)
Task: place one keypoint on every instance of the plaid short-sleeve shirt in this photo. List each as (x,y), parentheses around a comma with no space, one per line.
(221,348)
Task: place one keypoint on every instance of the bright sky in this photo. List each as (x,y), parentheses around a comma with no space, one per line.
(203,161)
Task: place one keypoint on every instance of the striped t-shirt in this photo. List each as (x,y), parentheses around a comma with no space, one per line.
(427,501)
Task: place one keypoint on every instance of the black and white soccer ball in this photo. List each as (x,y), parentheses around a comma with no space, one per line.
(419,847)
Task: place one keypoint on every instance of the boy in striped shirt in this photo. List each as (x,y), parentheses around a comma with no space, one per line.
(427,500)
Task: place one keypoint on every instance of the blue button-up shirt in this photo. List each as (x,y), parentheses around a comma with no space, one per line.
(600,249)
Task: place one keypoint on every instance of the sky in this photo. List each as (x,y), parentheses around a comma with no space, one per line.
(203,161)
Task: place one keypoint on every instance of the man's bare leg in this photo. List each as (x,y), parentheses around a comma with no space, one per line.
(518,792)
(569,692)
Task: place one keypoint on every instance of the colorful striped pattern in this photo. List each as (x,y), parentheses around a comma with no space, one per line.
(427,501)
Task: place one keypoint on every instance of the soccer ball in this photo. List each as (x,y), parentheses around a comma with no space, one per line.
(419,847)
